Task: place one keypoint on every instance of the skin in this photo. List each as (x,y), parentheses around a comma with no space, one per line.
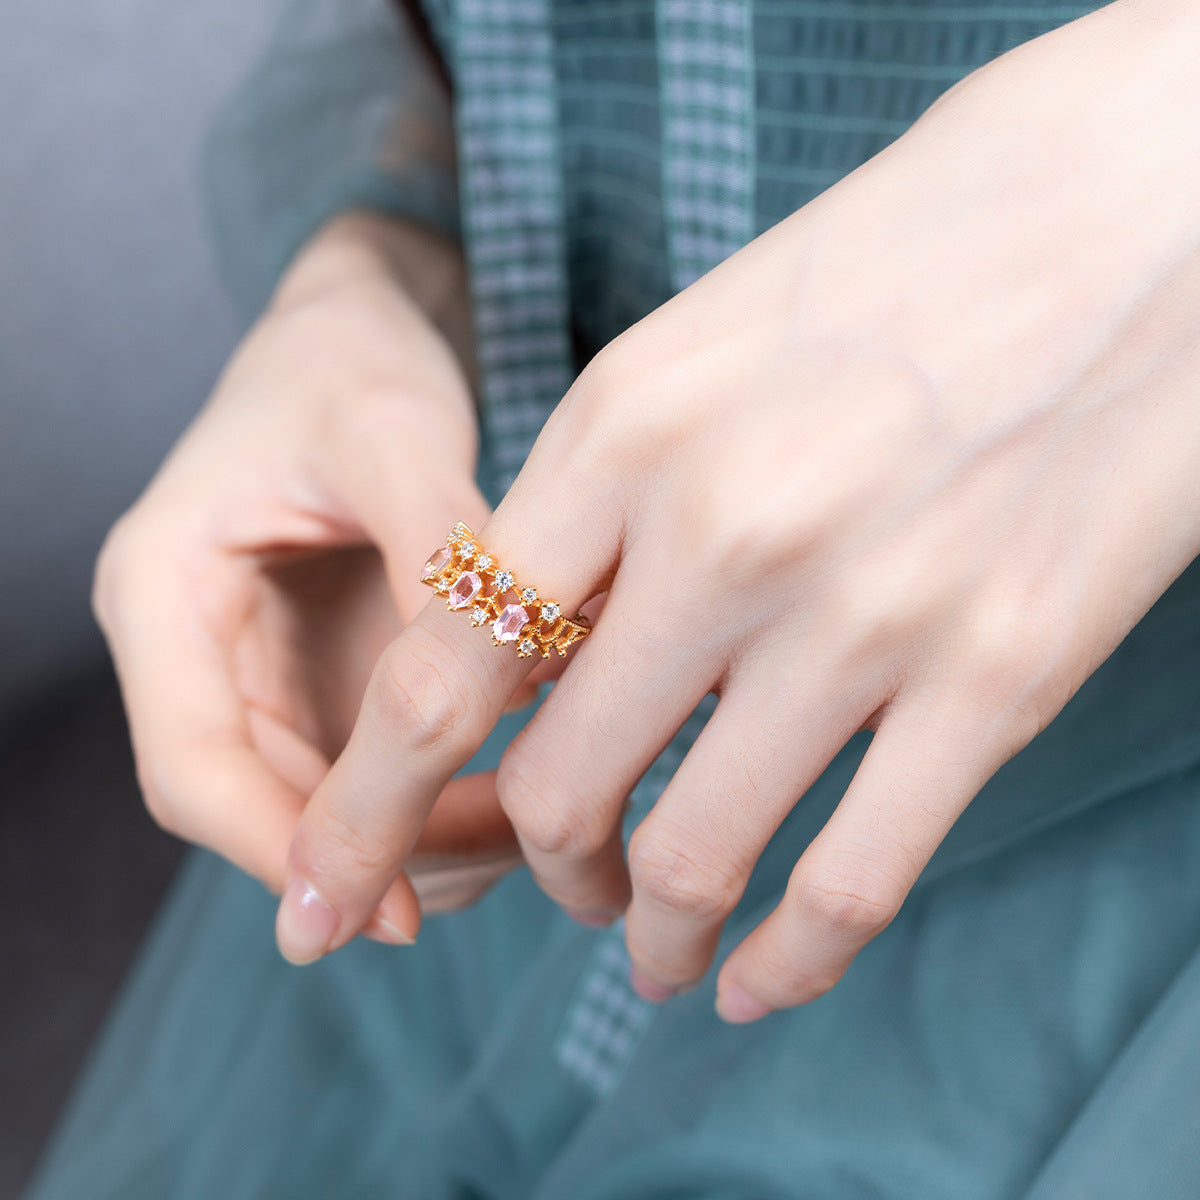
(915,461)
(248,593)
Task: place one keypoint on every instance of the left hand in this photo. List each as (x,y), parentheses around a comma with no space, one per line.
(915,460)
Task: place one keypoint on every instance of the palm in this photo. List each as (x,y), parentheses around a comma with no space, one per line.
(313,627)
(305,632)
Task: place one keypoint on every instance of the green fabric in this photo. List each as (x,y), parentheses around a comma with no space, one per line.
(343,110)
(1026,1027)
(1030,1024)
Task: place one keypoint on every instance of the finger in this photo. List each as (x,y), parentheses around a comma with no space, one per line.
(405,513)
(452,888)
(550,670)
(772,734)
(466,835)
(524,696)
(200,775)
(467,822)
(302,766)
(434,696)
(567,775)
(169,614)
(403,507)
(466,846)
(921,770)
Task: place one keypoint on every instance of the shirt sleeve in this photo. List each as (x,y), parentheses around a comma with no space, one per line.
(346,109)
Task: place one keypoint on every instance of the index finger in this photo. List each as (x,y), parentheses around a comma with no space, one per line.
(434,696)
(199,773)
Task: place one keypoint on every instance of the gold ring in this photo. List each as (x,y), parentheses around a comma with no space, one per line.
(462,569)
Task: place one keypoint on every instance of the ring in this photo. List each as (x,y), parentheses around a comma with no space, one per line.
(462,568)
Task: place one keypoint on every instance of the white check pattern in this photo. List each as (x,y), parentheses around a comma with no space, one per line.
(512,214)
(605,1020)
(706,71)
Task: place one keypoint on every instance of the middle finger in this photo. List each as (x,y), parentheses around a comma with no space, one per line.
(565,778)
(772,734)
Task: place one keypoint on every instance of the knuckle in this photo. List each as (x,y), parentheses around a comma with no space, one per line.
(586,411)
(1002,652)
(530,798)
(948,97)
(339,847)
(790,981)
(740,544)
(1018,665)
(597,389)
(418,700)
(549,828)
(682,880)
(608,417)
(547,825)
(848,903)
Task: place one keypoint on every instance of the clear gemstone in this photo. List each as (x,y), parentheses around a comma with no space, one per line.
(504,581)
(441,586)
(467,549)
(437,561)
(507,627)
(484,560)
(525,648)
(550,611)
(465,588)
(529,596)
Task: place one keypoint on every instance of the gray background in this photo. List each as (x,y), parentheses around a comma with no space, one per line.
(112,325)
(112,330)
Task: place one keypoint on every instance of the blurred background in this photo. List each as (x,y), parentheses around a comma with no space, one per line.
(112,329)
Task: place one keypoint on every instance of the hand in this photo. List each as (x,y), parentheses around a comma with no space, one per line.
(915,461)
(246,595)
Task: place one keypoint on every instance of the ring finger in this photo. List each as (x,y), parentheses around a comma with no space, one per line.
(773,733)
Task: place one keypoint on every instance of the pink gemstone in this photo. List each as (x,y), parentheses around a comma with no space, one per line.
(437,561)
(507,627)
(464,590)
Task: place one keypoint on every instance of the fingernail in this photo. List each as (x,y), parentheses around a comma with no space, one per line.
(305,923)
(738,1007)
(656,993)
(380,929)
(594,920)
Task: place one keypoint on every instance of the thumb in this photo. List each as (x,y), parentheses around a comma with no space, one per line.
(403,474)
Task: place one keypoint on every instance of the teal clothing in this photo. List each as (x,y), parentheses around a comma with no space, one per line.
(1028,1026)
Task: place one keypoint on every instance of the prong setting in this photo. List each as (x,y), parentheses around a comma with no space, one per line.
(470,578)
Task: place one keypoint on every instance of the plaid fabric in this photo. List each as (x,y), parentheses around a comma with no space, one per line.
(706,65)
(512,214)
(605,1019)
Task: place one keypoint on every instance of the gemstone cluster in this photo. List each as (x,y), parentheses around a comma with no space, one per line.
(466,575)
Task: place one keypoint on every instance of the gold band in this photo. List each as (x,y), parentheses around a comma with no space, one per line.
(462,571)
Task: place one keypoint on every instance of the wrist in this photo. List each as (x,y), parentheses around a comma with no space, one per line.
(361,248)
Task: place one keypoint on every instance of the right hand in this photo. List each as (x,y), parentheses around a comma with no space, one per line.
(247,594)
